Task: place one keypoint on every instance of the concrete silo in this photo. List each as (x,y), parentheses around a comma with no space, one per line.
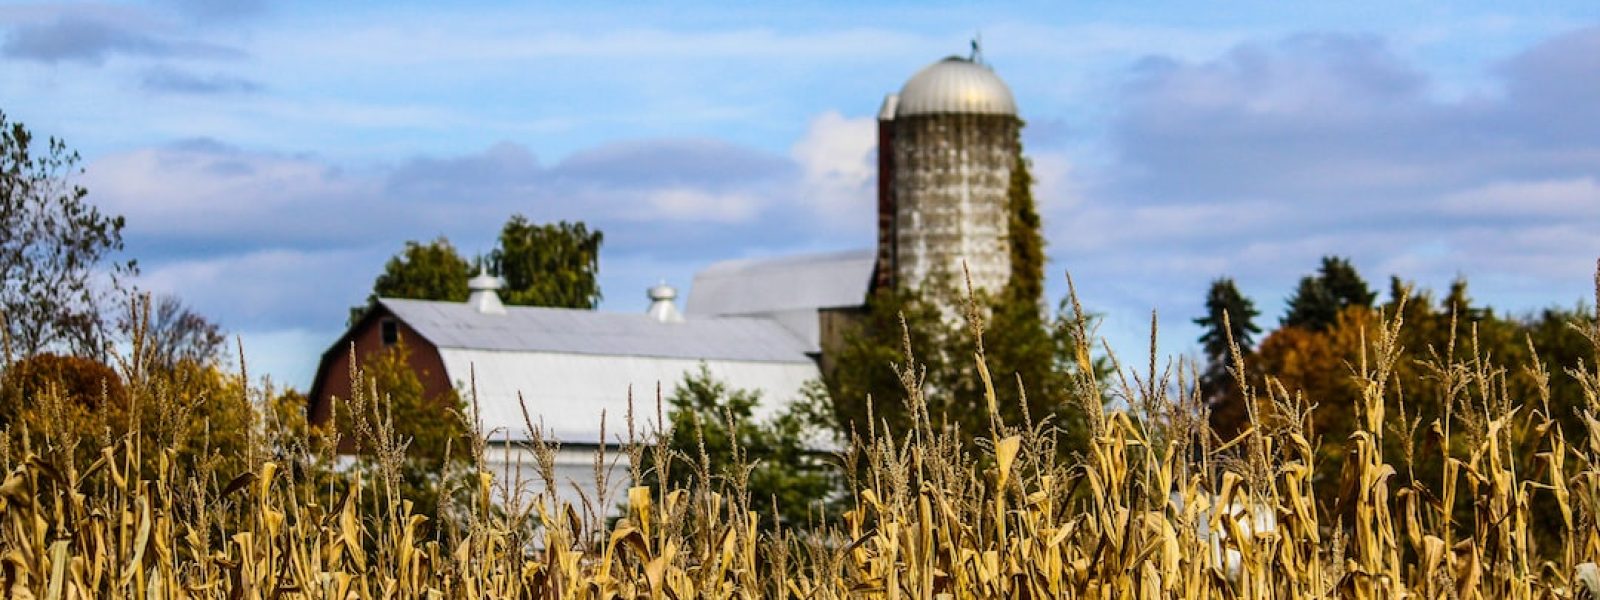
(946,146)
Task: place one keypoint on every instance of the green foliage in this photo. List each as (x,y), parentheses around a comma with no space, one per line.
(1339,277)
(1318,299)
(431,271)
(1240,326)
(1025,288)
(714,434)
(555,264)
(54,250)
(1031,362)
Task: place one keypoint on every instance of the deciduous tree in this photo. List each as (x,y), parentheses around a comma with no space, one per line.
(553,264)
(56,265)
(431,271)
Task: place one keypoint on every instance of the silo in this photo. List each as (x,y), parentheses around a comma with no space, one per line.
(946,146)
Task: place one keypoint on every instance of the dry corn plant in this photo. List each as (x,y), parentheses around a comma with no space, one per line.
(1154,507)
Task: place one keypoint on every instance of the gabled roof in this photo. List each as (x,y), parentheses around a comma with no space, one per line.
(574,331)
(774,285)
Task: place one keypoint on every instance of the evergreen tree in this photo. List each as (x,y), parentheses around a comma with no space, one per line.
(1224,297)
(1218,384)
(1339,277)
(1319,298)
(1312,307)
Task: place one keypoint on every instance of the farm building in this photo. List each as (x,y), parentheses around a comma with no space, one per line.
(946,145)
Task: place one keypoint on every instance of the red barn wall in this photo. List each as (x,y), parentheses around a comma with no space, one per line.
(333,375)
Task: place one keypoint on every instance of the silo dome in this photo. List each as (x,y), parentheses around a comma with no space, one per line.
(955,85)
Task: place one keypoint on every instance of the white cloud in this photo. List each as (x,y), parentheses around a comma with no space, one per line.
(837,157)
(687,204)
(1575,197)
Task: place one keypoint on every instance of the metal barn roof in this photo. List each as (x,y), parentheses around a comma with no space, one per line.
(765,286)
(574,331)
(789,290)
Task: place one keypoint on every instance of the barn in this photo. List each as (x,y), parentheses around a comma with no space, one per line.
(571,367)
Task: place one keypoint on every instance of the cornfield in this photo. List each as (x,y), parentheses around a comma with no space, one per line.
(1155,508)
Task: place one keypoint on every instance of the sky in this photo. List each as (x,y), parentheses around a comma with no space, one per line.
(270,157)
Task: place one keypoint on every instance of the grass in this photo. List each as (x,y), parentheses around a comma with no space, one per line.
(1155,507)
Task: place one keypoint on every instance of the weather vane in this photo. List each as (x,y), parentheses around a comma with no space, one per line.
(977,48)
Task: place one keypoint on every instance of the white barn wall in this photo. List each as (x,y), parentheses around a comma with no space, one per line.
(516,471)
(568,392)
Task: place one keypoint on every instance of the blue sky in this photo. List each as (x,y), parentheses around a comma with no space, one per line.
(269,157)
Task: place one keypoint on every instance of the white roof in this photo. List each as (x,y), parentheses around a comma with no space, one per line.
(764,286)
(569,365)
(955,85)
(787,290)
(577,331)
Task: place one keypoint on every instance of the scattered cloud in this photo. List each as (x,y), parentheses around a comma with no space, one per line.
(170,80)
(90,40)
(1520,201)
(211,221)
(1272,154)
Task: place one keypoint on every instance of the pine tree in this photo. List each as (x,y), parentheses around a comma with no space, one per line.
(1218,384)
(1319,298)
(1339,277)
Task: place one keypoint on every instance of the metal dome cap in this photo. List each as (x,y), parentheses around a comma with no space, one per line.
(955,85)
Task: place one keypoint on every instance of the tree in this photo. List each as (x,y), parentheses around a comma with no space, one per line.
(1319,298)
(174,333)
(548,265)
(1224,297)
(714,434)
(56,249)
(1026,242)
(431,271)
(79,382)
(1339,277)
(1218,385)
(865,381)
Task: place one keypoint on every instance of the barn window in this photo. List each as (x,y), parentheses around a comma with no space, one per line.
(390,332)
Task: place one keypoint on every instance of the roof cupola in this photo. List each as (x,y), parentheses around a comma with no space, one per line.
(662,305)
(483,297)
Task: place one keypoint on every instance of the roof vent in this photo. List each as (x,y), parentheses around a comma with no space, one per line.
(483,298)
(662,307)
